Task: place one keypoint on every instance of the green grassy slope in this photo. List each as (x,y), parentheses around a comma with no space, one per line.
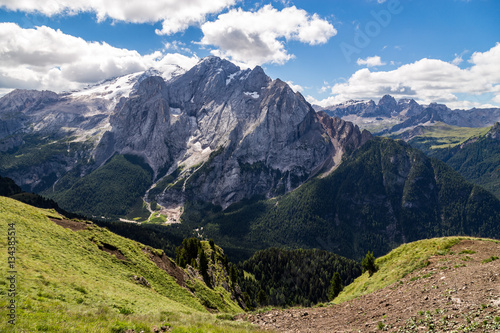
(397,264)
(442,135)
(66,283)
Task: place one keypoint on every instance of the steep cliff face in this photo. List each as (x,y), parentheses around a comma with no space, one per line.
(216,133)
(232,133)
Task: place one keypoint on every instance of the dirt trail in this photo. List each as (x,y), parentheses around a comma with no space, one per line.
(457,292)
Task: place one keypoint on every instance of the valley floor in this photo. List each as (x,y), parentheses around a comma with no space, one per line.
(459,291)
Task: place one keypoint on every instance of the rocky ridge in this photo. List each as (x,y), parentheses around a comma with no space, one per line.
(407,113)
(226,133)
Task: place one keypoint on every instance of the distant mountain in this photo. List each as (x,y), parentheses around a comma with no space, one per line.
(385,194)
(477,159)
(386,107)
(391,116)
(215,133)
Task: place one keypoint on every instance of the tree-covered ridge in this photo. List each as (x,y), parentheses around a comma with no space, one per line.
(385,194)
(478,160)
(109,191)
(293,277)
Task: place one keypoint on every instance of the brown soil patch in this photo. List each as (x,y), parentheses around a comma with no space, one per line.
(165,263)
(457,292)
(70,224)
(111,249)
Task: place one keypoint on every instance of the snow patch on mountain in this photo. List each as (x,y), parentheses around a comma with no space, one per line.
(231,77)
(252,94)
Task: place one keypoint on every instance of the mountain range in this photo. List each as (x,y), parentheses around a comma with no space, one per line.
(238,121)
(390,116)
(238,157)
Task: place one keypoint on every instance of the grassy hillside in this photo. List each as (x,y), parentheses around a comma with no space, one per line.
(92,280)
(442,135)
(384,195)
(436,285)
(395,265)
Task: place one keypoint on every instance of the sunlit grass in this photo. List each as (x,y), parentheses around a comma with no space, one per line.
(66,283)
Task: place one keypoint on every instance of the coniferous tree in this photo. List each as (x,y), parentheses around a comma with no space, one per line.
(368,263)
(203,263)
(262,298)
(335,286)
(204,266)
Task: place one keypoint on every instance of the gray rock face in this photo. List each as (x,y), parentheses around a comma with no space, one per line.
(55,132)
(228,133)
(235,133)
(18,105)
(494,132)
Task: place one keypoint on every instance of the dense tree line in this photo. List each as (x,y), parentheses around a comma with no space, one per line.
(282,277)
(109,191)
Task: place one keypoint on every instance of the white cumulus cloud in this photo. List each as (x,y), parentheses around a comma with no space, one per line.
(371,61)
(44,58)
(295,87)
(427,80)
(175,15)
(259,37)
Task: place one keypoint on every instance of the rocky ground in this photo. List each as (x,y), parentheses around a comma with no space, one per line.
(459,291)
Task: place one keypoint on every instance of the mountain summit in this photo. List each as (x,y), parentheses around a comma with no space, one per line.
(215,133)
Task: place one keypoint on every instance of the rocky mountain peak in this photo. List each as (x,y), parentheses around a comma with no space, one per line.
(151,86)
(386,106)
(387,100)
(22,100)
(212,64)
(494,132)
(221,133)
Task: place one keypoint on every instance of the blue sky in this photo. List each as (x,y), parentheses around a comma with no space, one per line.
(433,51)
